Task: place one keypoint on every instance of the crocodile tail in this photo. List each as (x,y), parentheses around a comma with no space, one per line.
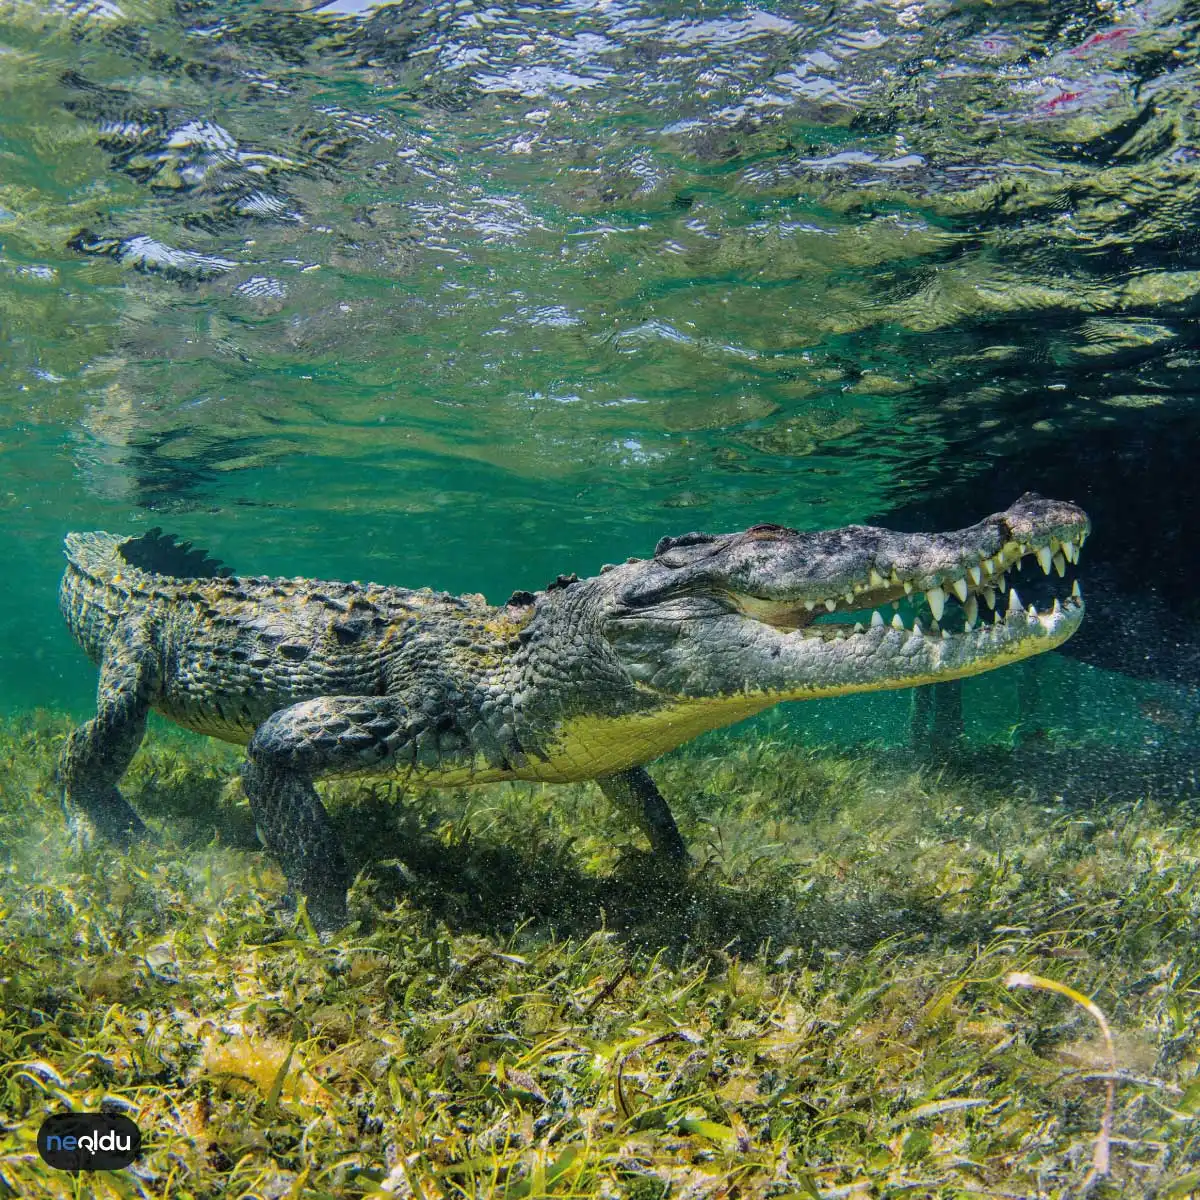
(159,553)
(95,555)
(85,595)
(103,555)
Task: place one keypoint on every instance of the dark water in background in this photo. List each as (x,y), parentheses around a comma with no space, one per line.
(472,294)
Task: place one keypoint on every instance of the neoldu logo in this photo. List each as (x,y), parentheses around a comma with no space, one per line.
(100,1141)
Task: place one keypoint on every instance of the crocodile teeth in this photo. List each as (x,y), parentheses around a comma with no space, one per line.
(982,583)
(937,602)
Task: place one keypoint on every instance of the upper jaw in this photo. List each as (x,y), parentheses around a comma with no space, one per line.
(922,575)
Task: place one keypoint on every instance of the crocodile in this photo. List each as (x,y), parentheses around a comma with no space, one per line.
(588,679)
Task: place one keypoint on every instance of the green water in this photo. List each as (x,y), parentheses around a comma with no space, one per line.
(468,296)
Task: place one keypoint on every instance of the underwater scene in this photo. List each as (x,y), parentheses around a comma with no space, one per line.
(600,599)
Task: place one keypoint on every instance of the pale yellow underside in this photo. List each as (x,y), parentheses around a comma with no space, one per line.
(591,746)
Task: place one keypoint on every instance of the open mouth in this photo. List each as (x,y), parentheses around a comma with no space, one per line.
(1018,585)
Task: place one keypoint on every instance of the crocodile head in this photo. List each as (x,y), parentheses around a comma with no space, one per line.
(774,614)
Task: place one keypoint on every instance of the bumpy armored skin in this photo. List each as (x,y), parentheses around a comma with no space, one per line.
(589,679)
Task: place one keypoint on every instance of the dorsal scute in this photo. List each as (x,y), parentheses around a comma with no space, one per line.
(158,553)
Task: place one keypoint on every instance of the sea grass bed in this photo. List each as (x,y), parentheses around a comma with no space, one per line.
(828,1005)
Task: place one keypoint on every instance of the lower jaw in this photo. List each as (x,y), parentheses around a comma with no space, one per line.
(884,657)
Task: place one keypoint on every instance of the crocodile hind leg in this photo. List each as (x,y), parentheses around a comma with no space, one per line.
(98,752)
(334,735)
(635,792)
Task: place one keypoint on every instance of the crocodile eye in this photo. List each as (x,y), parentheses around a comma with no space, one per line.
(767,532)
(685,540)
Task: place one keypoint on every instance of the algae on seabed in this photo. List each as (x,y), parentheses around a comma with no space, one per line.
(525,1008)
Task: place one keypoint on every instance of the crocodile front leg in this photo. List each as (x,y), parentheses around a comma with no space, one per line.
(96,754)
(635,792)
(335,735)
